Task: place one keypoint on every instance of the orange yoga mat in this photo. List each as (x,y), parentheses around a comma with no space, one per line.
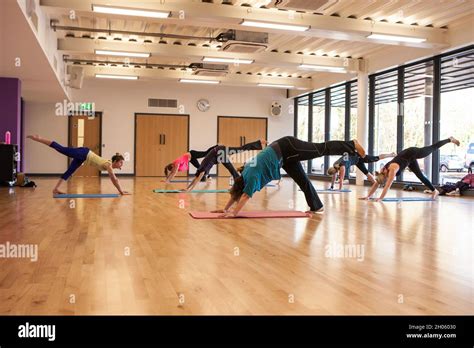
(253,214)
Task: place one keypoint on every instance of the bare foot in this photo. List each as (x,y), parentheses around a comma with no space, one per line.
(57,192)
(358,147)
(34,137)
(435,194)
(455,141)
(263,142)
(319,211)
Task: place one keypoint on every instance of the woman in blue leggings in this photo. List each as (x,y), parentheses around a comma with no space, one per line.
(82,155)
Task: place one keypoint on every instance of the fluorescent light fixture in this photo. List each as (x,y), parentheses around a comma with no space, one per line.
(396,38)
(123,54)
(227,60)
(275,86)
(212,82)
(118,77)
(130,11)
(322,68)
(274,25)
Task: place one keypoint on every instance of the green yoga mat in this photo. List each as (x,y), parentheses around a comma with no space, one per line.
(193,191)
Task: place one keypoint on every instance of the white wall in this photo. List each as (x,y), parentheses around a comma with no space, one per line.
(119,100)
(40,118)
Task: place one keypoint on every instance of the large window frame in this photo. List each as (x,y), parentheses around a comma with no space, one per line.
(400,70)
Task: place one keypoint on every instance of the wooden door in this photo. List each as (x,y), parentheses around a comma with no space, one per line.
(238,131)
(159,140)
(85,131)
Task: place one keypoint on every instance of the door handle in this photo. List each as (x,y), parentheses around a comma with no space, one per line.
(164,139)
(161,139)
(245,140)
(240,140)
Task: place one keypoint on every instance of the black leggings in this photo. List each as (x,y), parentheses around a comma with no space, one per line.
(195,155)
(294,150)
(218,151)
(422,152)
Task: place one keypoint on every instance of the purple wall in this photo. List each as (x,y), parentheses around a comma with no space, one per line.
(10,109)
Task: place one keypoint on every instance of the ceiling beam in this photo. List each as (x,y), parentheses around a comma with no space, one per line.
(268,59)
(229,80)
(229,17)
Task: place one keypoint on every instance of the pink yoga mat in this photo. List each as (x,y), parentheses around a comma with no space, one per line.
(253,214)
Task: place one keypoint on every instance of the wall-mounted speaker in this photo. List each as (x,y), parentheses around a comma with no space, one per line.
(275,109)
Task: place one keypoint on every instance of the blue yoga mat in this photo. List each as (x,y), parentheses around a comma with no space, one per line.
(193,191)
(88,195)
(406,199)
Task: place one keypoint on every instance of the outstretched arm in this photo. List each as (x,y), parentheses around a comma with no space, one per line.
(342,173)
(388,184)
(242,201)
(385,155)
(333,180)
(172,174)
(372,190)
(115,181)
(229,204)
(194,182)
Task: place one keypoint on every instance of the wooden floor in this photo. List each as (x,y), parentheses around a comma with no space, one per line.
(418,256)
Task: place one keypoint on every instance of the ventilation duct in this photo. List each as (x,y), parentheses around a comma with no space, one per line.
(239,41)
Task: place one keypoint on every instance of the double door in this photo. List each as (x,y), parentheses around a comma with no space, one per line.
(238,131)
(159,140)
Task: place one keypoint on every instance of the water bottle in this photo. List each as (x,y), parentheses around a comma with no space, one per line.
(8,137)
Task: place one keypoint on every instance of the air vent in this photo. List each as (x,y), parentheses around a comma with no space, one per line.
(162,103)
(210,73)
(244,41)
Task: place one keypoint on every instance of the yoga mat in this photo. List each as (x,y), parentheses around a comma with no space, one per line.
(180,181)
(406,199)
(193,191)
(253,214)
(88,195)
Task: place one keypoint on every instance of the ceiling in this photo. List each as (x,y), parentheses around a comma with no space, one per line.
(337,37)
(25,59)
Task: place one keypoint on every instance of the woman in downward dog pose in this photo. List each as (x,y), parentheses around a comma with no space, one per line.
(286,153)
(220,154)
(407,158)
(82,155)
(181,164)
(344,164)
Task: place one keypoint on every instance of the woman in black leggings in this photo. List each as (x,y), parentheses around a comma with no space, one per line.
(286,153)
(407,158)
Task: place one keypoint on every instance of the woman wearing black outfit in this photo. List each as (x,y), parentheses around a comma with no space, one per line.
(286,153)
(407,158)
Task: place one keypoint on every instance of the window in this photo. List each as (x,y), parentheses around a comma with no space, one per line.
(303,113)
(337,116)
(353,106)
(457,115)
(317,164)
(385,117)
(418,113)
